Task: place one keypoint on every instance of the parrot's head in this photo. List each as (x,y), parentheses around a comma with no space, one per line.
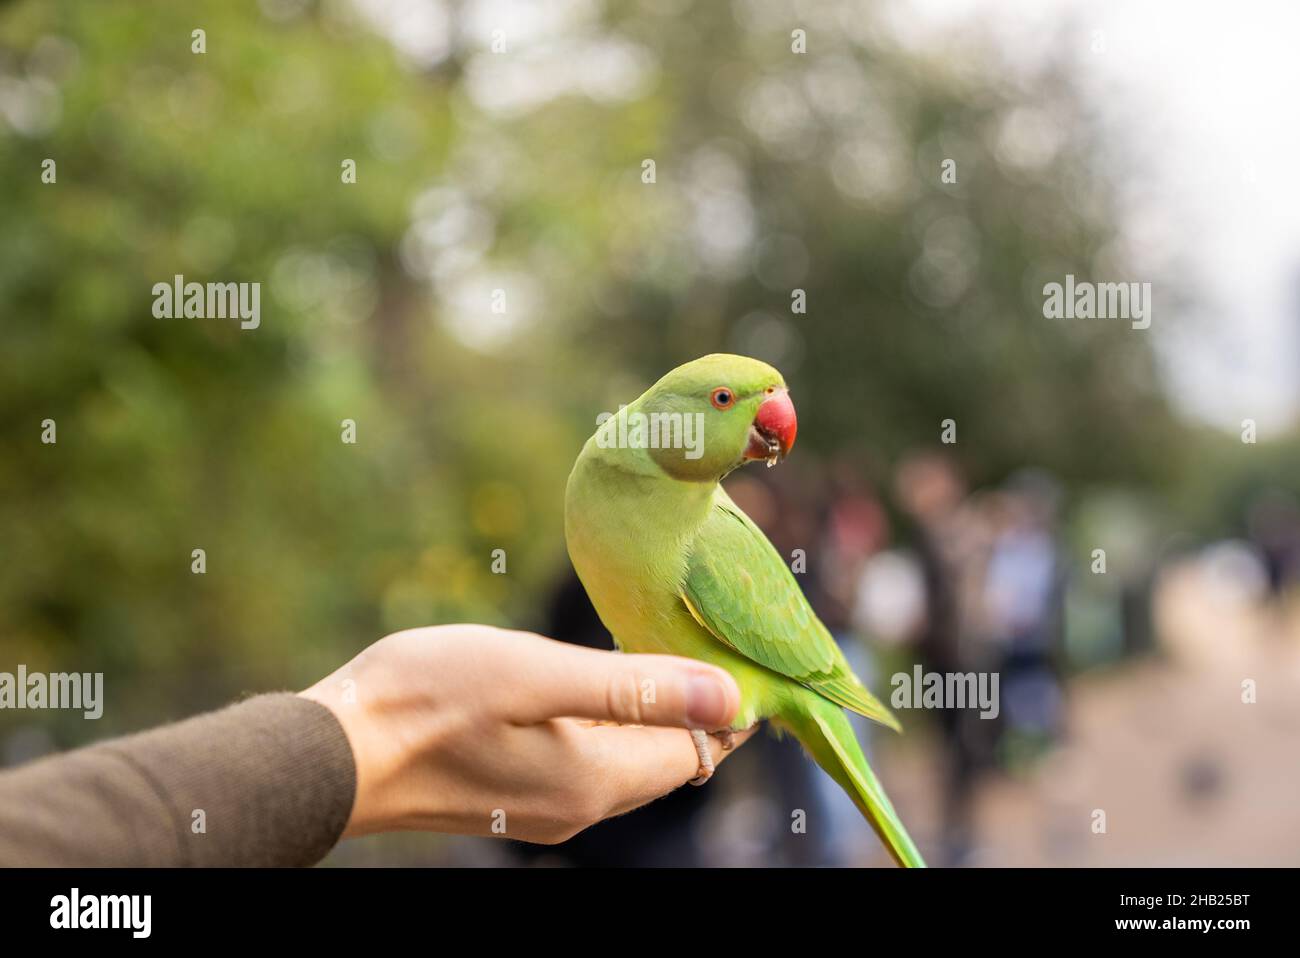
(734,409)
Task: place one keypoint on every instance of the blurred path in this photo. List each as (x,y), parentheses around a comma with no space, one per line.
(1186,773)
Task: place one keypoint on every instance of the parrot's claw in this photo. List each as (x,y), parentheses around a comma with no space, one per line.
(727,738)
(701,740)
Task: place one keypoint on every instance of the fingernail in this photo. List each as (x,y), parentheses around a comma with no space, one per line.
(706,703)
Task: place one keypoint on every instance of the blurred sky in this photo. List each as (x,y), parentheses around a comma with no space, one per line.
(1201,96)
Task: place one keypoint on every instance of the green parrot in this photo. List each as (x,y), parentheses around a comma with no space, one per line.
(673,566)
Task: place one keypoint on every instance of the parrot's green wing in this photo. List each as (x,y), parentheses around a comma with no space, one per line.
(738,588)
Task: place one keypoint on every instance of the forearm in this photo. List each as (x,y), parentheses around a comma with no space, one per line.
(267,782)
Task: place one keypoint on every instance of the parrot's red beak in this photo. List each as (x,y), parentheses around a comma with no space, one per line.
(773,431)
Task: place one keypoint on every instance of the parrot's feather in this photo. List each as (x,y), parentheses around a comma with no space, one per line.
(739,589)
(825,732)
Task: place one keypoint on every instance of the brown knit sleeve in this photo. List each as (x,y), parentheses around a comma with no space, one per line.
(269,781)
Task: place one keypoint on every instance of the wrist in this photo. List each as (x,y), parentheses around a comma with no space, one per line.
(373,759)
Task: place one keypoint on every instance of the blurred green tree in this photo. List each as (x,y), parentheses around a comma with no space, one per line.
(500,272)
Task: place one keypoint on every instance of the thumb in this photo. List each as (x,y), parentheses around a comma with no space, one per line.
(573,682)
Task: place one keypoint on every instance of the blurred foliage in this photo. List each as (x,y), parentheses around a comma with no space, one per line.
(479,171)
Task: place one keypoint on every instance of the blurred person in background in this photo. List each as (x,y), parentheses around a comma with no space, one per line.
(853,527)
(951,540)
(1273,527)
(1023,609)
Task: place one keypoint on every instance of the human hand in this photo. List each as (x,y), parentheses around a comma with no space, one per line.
(483,731)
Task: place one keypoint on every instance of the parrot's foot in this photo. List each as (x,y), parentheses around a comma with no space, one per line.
(701,740)
(727,737)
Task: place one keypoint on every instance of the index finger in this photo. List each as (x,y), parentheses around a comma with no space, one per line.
(561,680)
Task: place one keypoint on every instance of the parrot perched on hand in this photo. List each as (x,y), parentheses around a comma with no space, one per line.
(673,566)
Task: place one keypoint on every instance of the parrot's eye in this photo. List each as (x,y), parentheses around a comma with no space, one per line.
(723,398)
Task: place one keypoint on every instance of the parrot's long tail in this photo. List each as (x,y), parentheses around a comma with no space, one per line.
(824,730)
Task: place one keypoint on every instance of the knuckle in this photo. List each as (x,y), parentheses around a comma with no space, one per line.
(623,698)
(573,745)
